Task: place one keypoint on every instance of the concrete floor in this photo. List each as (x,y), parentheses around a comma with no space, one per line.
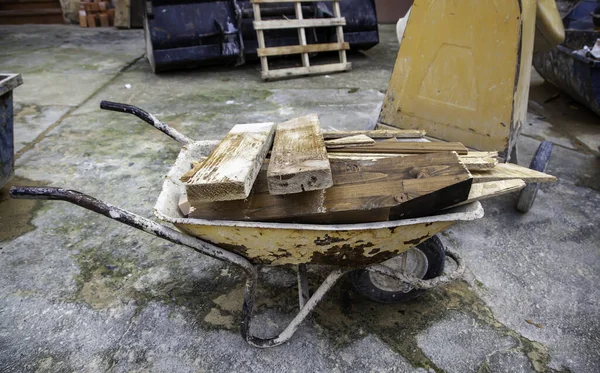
(79,292)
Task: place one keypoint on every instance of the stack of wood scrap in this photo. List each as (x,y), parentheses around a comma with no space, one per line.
(93,13)
(294,172)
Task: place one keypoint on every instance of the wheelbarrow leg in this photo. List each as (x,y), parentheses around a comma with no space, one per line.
(287,333)
(197,245)
(303,292)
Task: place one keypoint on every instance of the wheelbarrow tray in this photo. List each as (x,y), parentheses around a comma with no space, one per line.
(286,243)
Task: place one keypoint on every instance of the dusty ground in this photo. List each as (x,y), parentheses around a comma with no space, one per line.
(79,292)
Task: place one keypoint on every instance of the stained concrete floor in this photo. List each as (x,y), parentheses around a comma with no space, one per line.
(79,292)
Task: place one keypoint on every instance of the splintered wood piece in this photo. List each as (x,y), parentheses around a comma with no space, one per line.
(375,134)
(473,154)
(477,164)
(299,160)
(230,170)
(356,140)
(409,148)
(509,171)
(491,189)
(195,167)
(362,191)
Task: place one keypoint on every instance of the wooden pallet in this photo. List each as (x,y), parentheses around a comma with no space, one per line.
(303,48)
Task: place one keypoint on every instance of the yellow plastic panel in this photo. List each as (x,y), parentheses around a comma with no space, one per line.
(456,71)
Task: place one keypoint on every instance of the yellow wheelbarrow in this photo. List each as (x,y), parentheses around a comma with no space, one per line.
(387,261)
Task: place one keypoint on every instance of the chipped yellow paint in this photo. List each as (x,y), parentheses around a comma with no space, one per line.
(278,246)
(460,74)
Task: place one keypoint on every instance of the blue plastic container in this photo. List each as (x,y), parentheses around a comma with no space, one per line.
(577,75)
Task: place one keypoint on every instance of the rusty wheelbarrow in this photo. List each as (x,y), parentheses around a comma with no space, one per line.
(387,261)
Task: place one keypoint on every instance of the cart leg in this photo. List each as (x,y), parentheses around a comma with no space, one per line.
(287,333)
(303,292)
(514,155)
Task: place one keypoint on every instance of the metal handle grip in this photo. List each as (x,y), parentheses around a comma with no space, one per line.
(146,117)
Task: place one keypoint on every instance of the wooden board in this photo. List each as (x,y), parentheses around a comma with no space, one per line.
(281,1)
(299,160)
(305,70)
(472,164)
(491,189)
(356,140)
(297,49)
(277,24)
(481,154)
(409,148)
(363,190)
(375,134)
(479,164)
(230,170)
(509,171)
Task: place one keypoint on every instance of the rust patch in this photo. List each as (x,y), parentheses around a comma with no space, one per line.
(417,241)
(374,251)
(351,255)
(327,240)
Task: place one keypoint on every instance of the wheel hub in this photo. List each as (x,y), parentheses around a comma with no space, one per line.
(411,263)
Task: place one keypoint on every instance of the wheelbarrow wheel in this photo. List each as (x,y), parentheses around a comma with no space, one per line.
(538,163)
(425,261)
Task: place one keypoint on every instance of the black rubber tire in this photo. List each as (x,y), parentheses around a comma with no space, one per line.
(538,163)
(433,249)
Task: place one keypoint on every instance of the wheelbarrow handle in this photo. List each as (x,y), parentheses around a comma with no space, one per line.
(146,117)
(133,220)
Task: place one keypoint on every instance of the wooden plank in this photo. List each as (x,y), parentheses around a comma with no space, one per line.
(375,134)
(472,164)
(264,63)
(491,189)
(301,33)
(344,142)
(299,160)
(310,70)
(230,170)
(297,49)
(409,148)
(509,171)
(481,154)
(281,1)
(339,31)
(277,24)
(479,164)
(359,188)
